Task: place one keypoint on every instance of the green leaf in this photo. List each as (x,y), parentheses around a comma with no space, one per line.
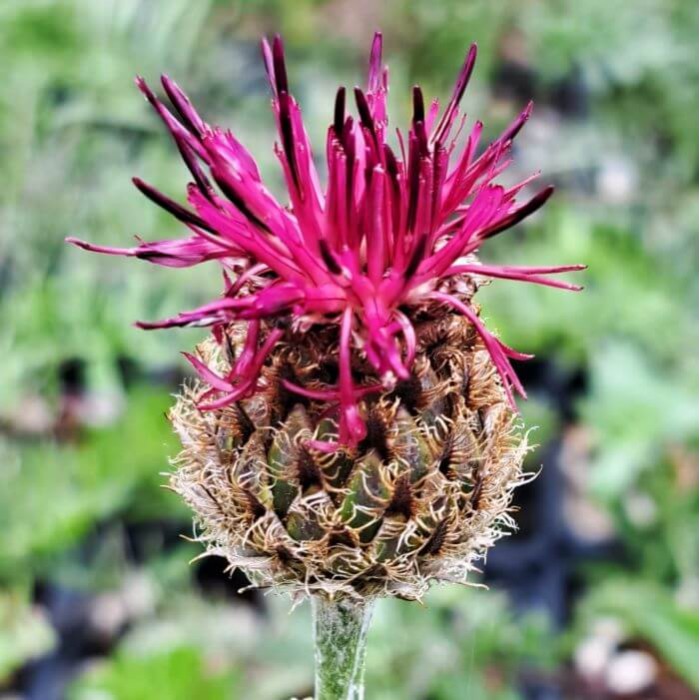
(179,674)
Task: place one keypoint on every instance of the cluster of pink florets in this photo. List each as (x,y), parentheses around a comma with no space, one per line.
(389,232)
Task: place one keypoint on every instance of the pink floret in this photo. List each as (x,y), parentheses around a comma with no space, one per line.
(388,231)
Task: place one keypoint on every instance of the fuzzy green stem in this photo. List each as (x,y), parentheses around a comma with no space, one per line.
(340,637)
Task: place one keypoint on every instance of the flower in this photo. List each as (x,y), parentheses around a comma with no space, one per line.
(394,231)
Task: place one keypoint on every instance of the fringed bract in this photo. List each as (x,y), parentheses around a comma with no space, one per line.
(419,499)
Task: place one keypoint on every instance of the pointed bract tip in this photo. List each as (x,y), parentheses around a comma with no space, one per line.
(148,325)
(142,85)
(376,50)
(278,63)
(546,193)
(363,108)
(515,127)
(375,63)
(538,201)
(93,248)
(339,111)
(418,104)
(469,62)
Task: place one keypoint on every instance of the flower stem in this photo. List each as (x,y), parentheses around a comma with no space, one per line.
(340,637)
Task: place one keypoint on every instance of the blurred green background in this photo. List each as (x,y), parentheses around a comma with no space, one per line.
(596,597)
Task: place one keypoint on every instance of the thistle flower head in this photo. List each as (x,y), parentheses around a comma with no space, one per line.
(353,430)
(392,234)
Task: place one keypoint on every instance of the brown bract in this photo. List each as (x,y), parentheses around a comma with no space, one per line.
(419,500)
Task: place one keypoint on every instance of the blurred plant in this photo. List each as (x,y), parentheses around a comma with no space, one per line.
(62,491)
(69,127)
(632,439)
(179,674)
(460,639)
(469,643)
(620,270)
(25,633)
(647,611)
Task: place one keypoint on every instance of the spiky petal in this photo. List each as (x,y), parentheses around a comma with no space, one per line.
(390,232)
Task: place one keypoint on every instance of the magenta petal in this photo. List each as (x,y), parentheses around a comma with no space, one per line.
(375,64)
(495,348)
(519,214)
(325,446)
(107,250)
(523,274)
(183,105)
(448,117)
(206,374)
(361,255)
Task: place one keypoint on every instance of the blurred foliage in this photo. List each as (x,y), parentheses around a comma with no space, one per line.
(616,410)
(647,611)
(178,675)
(615,128)
(471,645)
(25,633)
(51,496)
